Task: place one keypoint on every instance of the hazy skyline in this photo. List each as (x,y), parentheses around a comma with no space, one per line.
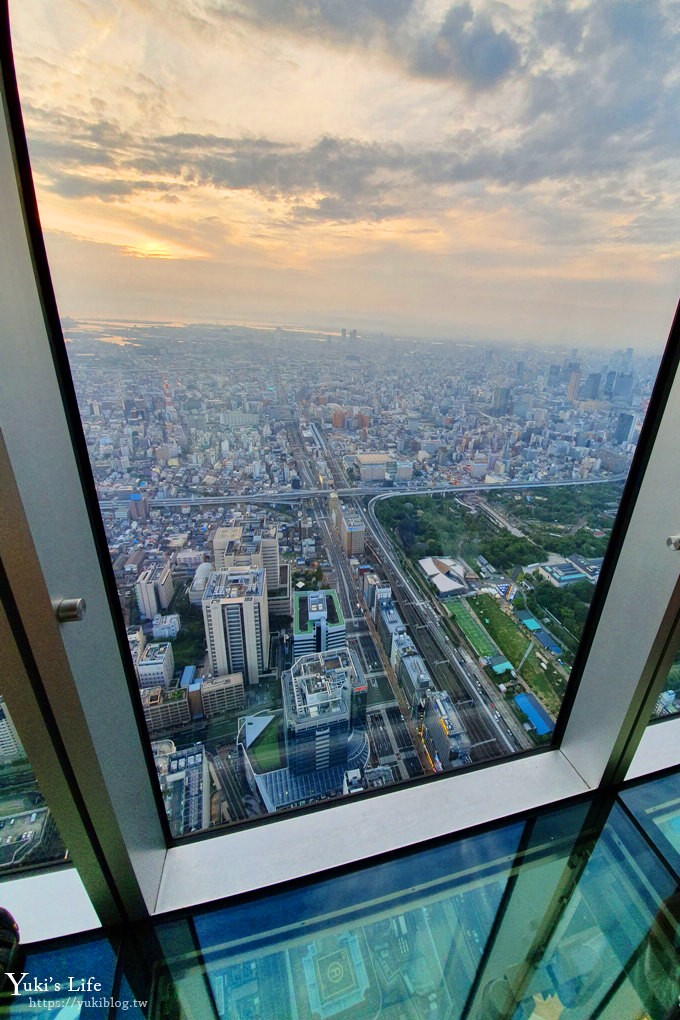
(487,170)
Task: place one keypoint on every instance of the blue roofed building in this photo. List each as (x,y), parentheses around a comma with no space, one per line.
(535,713)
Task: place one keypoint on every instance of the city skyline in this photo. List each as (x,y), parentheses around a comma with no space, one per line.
(496,172)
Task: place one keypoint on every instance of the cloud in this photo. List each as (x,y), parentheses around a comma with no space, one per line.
(461,44)
(468,47)
(328,18)
(595,94)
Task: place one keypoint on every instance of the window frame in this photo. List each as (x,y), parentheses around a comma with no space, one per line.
(112,815)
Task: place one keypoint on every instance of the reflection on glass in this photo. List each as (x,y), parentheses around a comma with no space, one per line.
(568,915)
(572,914)
(668,702)
(656,808)
(73,978)
(28,834)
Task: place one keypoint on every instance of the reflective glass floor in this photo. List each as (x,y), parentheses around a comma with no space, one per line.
(571,913)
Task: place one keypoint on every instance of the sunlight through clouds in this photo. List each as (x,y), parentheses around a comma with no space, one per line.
(396,145)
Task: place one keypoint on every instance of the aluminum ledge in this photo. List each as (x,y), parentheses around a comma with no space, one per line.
(360,828)
(49,905)
(659,749)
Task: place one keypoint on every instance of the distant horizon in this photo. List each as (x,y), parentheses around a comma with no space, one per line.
(72,322)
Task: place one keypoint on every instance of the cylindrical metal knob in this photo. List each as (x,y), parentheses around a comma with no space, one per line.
(673,542)
(69,610)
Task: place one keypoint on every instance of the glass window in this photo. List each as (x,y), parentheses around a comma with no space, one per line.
(286,299)
(572,911)
(669,699)
(28,833)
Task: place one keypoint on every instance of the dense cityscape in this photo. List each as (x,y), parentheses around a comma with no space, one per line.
(294,638)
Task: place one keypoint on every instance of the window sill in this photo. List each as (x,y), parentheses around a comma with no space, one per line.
(306,844)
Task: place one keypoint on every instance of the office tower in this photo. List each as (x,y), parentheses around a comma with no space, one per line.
(591,387)
(324,699)
(269,552)
(389,625)
(224,543)
(624,427)
(352,532)
(250,543)
(573,385)
(318,623)
(623,388)
(609,383)
(374,589)
(236,622)
(184,778)
(165,710)
(412,674)
(501,400)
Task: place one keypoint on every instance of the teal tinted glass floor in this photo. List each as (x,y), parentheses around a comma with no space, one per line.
(571,913)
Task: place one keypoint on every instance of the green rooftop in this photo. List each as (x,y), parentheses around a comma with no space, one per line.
(301,622)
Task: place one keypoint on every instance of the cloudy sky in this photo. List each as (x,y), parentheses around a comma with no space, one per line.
(476,170)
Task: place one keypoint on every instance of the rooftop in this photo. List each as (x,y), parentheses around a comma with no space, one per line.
(155,653)
(234,584)
(307,604)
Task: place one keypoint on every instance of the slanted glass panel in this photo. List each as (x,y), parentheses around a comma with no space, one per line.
(655,806)
(311,258)
(569,913)
(668,702)
(28,832)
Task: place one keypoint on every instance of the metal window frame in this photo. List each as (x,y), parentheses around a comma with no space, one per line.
(77,716)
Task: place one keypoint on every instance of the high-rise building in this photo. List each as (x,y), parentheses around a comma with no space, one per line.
(413,674)
(502,396)
(251,542)
(324,699)
(389,625)
(184,778)
(235,615)
(154,589)
(352,532)
(623,388)
(573,385)
(624,427)
(318,623)
(374,590)
(269,552)
(590,389)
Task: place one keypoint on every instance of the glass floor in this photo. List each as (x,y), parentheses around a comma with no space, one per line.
(571,913)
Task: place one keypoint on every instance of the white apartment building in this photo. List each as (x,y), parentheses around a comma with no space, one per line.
(154,589)
(235,615)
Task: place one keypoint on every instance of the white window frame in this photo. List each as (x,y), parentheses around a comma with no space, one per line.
(70,686)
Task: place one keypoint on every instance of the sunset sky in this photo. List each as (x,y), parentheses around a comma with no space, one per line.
(474,170)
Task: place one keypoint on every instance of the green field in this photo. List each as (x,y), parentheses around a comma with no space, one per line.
(547,684)
(475,634)
(266,749)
